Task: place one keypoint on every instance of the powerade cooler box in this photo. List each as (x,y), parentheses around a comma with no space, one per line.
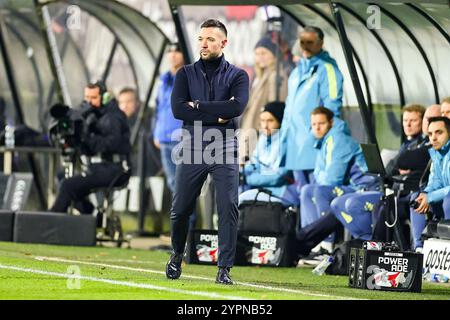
(385,270)
(252,248)
(202,247)
(265,249)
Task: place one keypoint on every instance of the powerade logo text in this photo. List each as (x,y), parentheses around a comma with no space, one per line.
(396,264)
(266,243)
(438,259)
(213,238)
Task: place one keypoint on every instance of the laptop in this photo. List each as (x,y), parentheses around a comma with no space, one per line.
(373,159)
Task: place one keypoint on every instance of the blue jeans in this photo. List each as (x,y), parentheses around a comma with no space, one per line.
(167,163)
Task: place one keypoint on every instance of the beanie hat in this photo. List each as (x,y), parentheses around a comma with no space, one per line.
(276,108)
(268,44)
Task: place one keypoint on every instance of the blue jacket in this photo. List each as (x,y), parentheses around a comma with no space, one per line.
(165,122)
(266,166)
(314,82)
(439,181)
(340,161)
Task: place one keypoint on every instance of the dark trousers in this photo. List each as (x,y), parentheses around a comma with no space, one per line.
(189,179)
(314,233)
(77,188)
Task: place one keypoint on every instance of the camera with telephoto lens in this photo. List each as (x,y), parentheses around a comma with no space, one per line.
(66,130)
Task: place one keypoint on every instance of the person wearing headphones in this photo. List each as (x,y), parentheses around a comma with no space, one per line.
(105,147)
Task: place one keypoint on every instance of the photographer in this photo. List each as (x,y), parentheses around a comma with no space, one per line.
(104,149)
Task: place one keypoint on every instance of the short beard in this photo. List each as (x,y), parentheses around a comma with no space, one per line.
(212,56)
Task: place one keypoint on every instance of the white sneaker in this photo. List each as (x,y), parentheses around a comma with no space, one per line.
(316,248)
(419,250)
(313,259)
(324,245)
(328,246)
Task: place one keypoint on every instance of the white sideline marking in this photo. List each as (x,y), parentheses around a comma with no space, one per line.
(130,261)
(123,283)
(246,284)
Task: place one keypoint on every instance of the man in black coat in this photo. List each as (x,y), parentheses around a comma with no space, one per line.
(208,96)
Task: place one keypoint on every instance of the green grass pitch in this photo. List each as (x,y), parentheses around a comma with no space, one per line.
(32,271)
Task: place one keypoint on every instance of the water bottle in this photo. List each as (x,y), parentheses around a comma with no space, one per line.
(323,265)
(431,277)
(442,278)
(9,135)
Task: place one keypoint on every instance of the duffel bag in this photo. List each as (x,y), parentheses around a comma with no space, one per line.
(270,217)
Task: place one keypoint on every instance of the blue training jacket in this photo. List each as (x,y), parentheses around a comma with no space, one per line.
(438,186)
(314,82)
(340,161)
(266,166)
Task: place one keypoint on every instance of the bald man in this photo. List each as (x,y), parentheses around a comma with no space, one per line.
(445,107)
(434,110)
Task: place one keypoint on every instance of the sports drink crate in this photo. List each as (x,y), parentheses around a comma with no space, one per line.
(385,270)
(202,247)
(252,248)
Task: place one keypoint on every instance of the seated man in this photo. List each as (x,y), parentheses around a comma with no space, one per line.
(445,107)
(128,102)
(354,210)
(359,203)
(105,148)
(265,169)
(339,169)
(436,195)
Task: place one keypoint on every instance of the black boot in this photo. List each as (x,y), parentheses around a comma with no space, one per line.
(173,267)
(223,276)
